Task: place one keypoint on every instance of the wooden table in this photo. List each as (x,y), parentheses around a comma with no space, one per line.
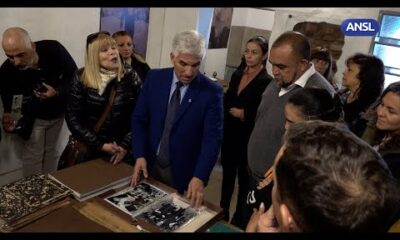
(107,217)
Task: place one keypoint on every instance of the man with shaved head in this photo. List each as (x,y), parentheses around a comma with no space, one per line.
(292,69)
(38,74)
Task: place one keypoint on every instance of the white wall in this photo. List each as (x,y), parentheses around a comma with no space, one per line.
(215,61)
(250,17)
(260,19)
(70,26)
(156,26)
(164,23)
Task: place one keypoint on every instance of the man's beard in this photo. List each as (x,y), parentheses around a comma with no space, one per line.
(29,64)
(22,67)
(285,84)
(282,84)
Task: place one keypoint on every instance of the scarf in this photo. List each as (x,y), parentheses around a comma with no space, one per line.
(106,77)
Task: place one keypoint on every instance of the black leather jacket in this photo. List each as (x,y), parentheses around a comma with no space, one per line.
(85,106)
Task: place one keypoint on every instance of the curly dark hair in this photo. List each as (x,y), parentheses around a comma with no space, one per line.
(330,180)
(371,76)
(394,141)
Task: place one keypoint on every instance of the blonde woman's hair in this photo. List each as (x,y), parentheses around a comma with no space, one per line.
(91,73)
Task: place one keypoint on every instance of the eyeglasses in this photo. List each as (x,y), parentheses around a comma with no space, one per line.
(91,37)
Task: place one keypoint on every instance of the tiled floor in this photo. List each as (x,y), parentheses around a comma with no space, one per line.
(213,190)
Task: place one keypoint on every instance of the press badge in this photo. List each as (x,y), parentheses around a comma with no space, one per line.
(16,107)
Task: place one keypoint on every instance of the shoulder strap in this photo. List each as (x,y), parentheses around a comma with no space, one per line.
(106,110)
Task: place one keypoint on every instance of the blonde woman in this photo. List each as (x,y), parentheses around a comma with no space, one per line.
(90,93)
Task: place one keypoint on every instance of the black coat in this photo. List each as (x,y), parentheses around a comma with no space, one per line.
(390,154)
(85,106)
(55,68)
(354,112)
(237,132)
(392,159)
(142,68)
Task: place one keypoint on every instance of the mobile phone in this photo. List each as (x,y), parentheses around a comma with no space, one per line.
(40,88)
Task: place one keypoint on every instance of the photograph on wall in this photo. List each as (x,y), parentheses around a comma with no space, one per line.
(133,20)
(131,199)
(220,28)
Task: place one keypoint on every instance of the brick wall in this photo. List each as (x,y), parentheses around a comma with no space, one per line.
(323,34)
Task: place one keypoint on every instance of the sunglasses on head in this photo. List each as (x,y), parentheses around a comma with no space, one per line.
(91,37)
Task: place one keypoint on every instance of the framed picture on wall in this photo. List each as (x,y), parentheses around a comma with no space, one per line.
(133,20)
(220,28)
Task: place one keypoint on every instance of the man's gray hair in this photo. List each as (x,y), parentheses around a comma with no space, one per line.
(189,42)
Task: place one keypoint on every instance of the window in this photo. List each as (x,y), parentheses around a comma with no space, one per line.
(386,45)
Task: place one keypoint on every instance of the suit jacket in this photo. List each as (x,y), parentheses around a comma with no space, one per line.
(248,100)
(196,133)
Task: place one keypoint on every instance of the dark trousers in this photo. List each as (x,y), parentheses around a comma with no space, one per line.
(163,175)
(253,199)
(230,170)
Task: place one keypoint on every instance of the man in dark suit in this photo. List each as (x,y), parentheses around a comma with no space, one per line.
(180,148)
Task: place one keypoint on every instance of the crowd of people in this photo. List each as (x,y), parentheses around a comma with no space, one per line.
(308,156)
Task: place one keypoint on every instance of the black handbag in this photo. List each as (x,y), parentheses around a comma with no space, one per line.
(76,152)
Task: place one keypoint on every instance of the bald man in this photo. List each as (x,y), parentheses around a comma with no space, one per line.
(38,74)
(292,69)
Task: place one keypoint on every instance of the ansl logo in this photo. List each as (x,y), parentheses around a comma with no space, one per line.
(360,27)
